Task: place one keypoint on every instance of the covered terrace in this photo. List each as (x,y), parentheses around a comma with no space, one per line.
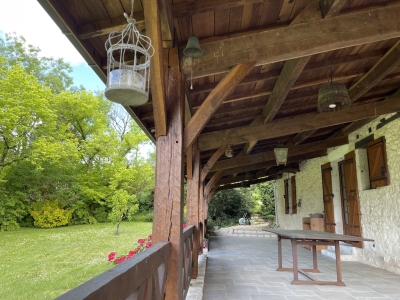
(255,89)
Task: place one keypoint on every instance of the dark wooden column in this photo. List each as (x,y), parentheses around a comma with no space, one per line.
(192,204)
(168,203)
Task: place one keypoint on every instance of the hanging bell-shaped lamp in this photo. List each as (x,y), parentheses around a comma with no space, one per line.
(193,47)
(128,65)
(229,152)
(281,154)
(333,96)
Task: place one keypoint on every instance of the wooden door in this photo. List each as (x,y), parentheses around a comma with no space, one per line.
(286,182)
(294,198)
(349,196)
(329,218)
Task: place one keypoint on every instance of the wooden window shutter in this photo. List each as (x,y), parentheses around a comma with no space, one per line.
(294,201)
(286,181)
(377,163)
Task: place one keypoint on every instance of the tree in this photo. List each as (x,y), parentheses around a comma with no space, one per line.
(265,192)
(51,72)
(227,207)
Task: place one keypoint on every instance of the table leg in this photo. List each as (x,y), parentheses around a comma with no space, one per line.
(295,266)
(314,256)
(338,262)
(279,252)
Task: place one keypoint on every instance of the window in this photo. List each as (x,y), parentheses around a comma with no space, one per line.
(377,163)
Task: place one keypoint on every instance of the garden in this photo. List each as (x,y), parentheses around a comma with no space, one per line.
(46,263)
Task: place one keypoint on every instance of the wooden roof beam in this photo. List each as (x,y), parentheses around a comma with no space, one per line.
(383,67)
(273,74)
(210,163)
(271,163)
(270,155)
(213,101)
(330,8)
(298,124)
(153,31)
(301,39)
(212,182)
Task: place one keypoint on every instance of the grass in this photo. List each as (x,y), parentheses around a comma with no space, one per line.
(46,263)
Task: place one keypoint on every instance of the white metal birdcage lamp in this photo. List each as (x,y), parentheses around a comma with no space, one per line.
(128,65)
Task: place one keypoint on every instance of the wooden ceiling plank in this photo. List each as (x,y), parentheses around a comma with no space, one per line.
(213,101)
(270,155)
(383,67)
(330,8)
(297,124)
(196,7)
(210,163)
(361,57)
(103,27)
(301,39)
(153,31)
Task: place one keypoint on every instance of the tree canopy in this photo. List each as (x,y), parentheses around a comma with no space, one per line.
(64,145)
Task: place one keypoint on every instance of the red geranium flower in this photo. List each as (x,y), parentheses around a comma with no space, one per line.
(141,241)
(148,245)
(150,236)
(111,256)
(184,225)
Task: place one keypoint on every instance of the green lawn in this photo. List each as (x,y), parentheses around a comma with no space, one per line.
(45,263)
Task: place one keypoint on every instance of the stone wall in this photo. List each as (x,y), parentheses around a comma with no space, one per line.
(380,208)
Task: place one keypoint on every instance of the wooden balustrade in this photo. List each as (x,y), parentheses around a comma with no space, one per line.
(140,277)
(188,233)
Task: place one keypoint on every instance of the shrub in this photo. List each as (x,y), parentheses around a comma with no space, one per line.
(81,214)
(48,214)
(142,217)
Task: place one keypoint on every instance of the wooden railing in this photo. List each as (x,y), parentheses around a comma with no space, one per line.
(187,258)
(141,277)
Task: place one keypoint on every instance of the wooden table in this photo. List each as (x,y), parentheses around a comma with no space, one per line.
(313,238)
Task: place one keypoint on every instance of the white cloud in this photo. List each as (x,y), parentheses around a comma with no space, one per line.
(29,19)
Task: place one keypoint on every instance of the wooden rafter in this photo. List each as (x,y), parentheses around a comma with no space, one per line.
(272,163)
(167,24)
(213,101)
(153,30)
(383,67)
(270,155)
(315,66)
(210,163)
(298,124)
(330,8)
(212,181)
(302,39)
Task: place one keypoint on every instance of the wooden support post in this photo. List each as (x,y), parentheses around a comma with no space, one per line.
(193,207)
(168,197)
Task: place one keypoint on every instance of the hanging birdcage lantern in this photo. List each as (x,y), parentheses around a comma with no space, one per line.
(128,65)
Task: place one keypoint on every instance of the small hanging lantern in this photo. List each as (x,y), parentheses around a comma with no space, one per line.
(281,154)
(128,65)
(333,96)
(229,152)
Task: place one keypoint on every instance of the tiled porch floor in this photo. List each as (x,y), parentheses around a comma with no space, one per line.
(245,268)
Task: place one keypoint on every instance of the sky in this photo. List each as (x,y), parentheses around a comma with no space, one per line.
(27,18)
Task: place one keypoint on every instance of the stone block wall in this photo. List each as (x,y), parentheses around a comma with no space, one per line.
(380,208)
